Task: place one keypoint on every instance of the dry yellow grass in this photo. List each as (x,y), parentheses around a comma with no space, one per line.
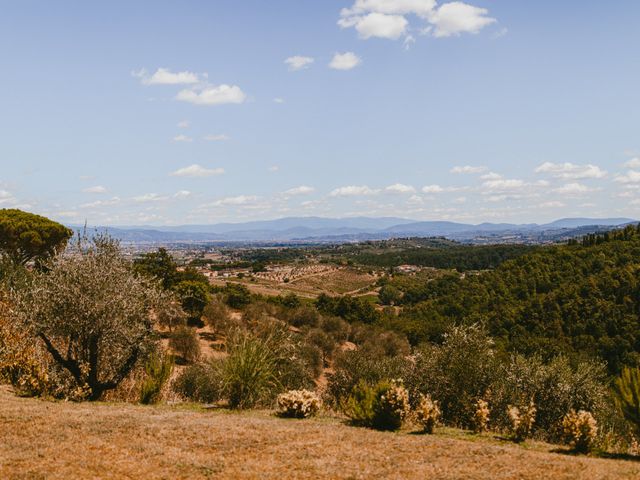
(40,439)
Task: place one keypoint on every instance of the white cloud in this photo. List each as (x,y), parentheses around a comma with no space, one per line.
(164,76)
(632,176)
(301,190)
(216,137)
(552,204)
(491,176)
(149,197)
(376,24)
(503,185)
(633,163)
(573,189)
(182,194)
(101,203)
(345,61)
(196,170)
(454,18)
(298,62)
(95,189)
(432,189)
(468,169)
(571,171)
(6,197)
(400,188)
(278,100)
(182,138)
(353,191)
(273,168)
(234,201)
(388,18)
(212,95)
(183,124)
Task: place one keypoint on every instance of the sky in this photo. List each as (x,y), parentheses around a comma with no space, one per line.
(199,112)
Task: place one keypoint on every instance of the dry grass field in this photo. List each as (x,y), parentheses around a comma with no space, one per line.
(57,440)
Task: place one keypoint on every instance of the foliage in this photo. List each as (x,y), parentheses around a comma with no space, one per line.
(481,416)
(298,404)
(159,265)
(186,343)
(158,369)
(521,420)
(237,295)
(193,296)
(627,391)
(25,236)
(216,314)
(427,413)
(580,430)
(200,382)
(92,314)
(383,406)
(352,309)
(570,299)
(169,312)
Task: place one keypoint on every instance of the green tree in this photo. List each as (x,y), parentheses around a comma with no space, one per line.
(627,390)
(194,296)
(93,315)
(25,236)
(158,265)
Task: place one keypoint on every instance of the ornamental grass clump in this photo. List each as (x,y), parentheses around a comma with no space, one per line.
(580,430)
(481,416)
(522,420)
(427,413)
(298,404)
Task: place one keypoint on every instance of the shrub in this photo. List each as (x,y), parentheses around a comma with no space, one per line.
(92,314)
(185,342)
(237,295)
(194,296)
(383,407)
(522,420)
(158,369)
(481,416)
(216,315)
(627,391)
(427,413)
(298,404)
(200,383)
(580,430)
(352,367)
(169,312)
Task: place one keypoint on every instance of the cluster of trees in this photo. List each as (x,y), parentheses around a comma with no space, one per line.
(459,257)
(582,301)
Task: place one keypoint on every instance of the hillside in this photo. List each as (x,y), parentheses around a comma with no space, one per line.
(62,440)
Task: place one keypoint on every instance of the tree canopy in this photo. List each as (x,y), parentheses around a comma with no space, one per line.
(25,236)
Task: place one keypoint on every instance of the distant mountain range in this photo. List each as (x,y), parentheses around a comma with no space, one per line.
(318,229)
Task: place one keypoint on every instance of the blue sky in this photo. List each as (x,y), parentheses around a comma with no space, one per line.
(160,113)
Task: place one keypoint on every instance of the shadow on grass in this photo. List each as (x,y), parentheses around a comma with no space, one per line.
(597,454)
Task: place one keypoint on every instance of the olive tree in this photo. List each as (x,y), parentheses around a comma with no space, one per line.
(93,314)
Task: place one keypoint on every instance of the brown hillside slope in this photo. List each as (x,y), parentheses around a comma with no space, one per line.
(41,439)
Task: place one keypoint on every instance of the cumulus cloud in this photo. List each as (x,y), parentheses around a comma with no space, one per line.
(238,200)
(182,194)
(632,176)
(388,18)
(6,197)
(468,169)
(149,197)
(454,18)
(95,189)
(573,189)
(301,190)
(278,100)
(399,188)
(101,203)
(196,170)
(345,61)
(298,62)
(633,163)
(164,76)
(212,95)
(551,204)
(221,137)
(353,191)
(183,124)
(432,189)
(503,185)
(571,171)
(182,138)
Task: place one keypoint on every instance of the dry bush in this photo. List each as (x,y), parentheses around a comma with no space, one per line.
(298,404)
(580,430)
(427,413)
(383,406)
(481,416)
(522,420)
(185,342)
(216,314)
